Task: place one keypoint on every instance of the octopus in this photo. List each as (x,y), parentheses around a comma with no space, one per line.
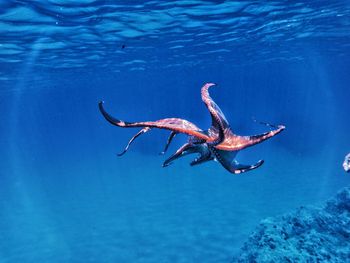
(346,163)
(218,143)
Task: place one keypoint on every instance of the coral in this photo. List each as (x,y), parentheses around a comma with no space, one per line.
(309,234)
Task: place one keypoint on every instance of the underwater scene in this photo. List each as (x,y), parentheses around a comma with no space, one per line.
(174,131)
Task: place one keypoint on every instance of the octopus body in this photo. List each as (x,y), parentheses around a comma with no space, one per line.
(216,143)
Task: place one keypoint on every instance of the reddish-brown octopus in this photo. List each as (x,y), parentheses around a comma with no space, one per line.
(217,143)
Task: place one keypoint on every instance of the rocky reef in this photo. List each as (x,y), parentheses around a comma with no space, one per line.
(309,234)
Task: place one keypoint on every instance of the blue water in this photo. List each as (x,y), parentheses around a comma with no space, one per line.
(64,194)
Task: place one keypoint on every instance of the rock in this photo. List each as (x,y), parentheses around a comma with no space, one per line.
(306,235)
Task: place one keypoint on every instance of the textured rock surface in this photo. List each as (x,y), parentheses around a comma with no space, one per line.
(307,235)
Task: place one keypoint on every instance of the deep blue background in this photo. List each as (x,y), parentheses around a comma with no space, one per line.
(65,196)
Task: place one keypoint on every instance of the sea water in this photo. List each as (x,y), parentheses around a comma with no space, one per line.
(65,196)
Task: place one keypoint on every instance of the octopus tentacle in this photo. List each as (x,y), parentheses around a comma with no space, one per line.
(185,149)
(226,159)
(170,138)
(234,142)
(173,124)
(242,168)
(219,122)
(255,139)
(142,131)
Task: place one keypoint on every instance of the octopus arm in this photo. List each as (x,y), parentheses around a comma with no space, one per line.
(142,131)
(218,119)
(235,142)
(173,124)
(185,149)
(170,138)
(228,161)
